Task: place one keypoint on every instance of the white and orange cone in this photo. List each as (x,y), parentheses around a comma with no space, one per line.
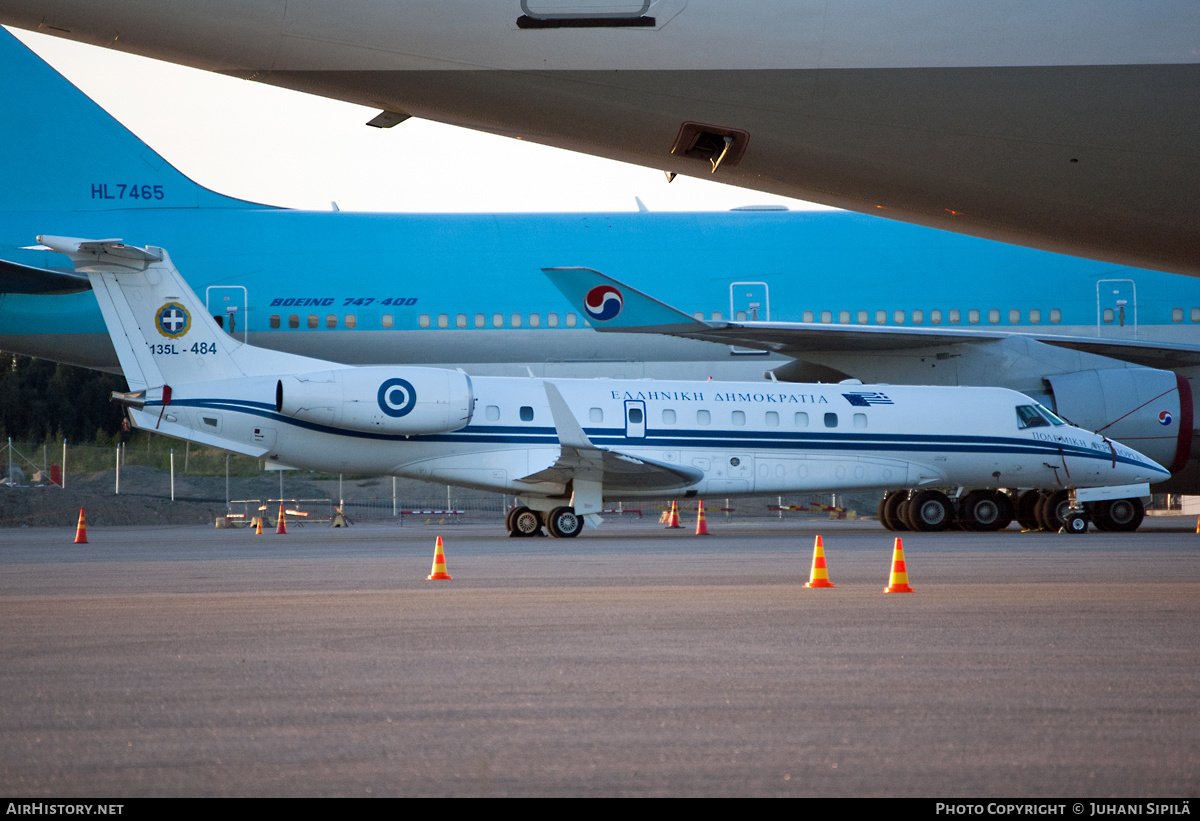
(674,520)
(701,522)
(898,583)
(281,528)
(81,529)
(820,573)
(439,563)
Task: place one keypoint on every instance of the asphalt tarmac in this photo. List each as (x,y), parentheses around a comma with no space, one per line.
(187,661)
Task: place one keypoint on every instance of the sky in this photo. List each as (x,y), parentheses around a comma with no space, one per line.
(285,148)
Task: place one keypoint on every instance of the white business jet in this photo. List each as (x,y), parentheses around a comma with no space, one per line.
(564,446)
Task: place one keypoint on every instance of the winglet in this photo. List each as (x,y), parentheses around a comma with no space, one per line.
(610,305)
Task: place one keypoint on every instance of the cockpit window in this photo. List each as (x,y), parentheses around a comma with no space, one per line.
(1054,418)
(1028,417)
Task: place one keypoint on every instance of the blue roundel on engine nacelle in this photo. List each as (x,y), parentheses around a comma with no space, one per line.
(397,397)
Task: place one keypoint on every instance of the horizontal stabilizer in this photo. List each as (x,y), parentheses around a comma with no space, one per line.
(25,279)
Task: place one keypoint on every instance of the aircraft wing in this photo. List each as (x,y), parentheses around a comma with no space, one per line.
(580,459)
(610,305)
(25,279)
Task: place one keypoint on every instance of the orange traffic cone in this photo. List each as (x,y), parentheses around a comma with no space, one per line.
(674,520)
(820,574)
(1198,524)
(81,530)
(281,528)
(258,525)
(899,579)
(439,563)
(701,524)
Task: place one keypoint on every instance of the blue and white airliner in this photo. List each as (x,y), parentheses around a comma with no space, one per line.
(1109,347)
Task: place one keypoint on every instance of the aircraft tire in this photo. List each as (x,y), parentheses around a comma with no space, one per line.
(930,511)
(1052,511)
(1026,509)
(881,511)
(1119,515)
(1075,523)
(564,523)
(892,513)
(984,510)
(524,522)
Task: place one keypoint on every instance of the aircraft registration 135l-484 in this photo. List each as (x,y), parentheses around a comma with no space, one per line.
(563,446)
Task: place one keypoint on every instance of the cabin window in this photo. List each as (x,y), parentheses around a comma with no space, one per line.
(862,317)
(994,316)
(668,416)
(698,315)
(973,316)
(535,321)
(423,320)
(596,414)
(1035,316)
(860,420)
(635,415)
(497,320)
(772,419)
(955,316)
(918,317)
(460,321)
(552,320)
(293,321)
(1176,314)
(1195,314)
(738,418)
(351,322)
(492,413)
(516,320)
(572,320)
(526,413)
(827,317)
(935,317)
(717,316)
(898,317)
(703,417)
(480,321)
(443,320)
(314,321)
(843,317)
(1109,316)
(831,420)
(274,322)
(740,316)
(331,321)
(1014,317)
(387,322)
(801,420)
(881,317)
(1055,316)
(807,317)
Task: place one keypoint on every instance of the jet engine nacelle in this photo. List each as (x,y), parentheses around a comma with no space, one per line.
(1147,409)
(406,401)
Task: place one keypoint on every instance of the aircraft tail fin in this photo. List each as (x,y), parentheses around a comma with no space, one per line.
(63,152)
(161,330)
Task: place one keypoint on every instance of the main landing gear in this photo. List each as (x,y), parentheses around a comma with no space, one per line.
(931,511)
(561,522)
